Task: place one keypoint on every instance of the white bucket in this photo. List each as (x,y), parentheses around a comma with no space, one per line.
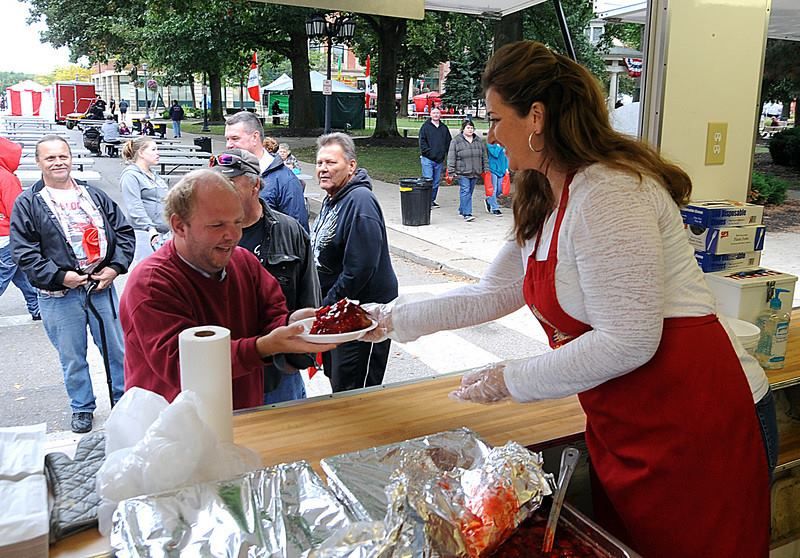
(747,333)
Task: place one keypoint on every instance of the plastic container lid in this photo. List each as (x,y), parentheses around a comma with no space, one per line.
(746,332)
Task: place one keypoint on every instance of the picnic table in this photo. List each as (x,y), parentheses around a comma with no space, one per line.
(78,163)
(183,153)
(31,142)
(30,151)
(179,162)
(27,121)
(767,132)
(158,140)
(28,177)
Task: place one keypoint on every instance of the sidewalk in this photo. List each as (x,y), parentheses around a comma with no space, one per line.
(466,249)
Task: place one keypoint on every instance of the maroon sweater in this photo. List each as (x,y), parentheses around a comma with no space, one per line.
(164,296)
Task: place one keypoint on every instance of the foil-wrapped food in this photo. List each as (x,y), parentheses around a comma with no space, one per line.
(284,510)
(447,494)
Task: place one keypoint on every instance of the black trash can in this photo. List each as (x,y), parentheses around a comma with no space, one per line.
(204,143)
(136,124)
(415,201)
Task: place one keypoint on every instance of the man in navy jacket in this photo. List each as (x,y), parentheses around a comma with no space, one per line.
(434,143)
(352,256)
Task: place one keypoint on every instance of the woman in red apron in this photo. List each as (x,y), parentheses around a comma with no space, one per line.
(675,444)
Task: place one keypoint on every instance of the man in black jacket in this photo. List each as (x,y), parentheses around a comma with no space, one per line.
(282,246)
(65,236)
(434,143)
(352,256)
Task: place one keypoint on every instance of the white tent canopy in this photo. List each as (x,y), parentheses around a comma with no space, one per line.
(784,19)
(284,83)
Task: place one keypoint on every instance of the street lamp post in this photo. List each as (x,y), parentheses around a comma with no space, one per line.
(146,102)
(320,27)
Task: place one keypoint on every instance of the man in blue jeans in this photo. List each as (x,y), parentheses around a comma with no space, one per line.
(65,236)
(176,114)
(434,142)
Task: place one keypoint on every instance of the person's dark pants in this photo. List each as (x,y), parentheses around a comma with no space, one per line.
(767,417)
(356,365)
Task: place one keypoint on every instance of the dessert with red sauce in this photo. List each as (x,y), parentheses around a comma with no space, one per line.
(342,317)
(526,542)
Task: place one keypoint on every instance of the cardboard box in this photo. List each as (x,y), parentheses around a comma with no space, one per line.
(743,294)
(727,262)
(726,240)
(719,213)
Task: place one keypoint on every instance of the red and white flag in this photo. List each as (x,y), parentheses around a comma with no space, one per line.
(366,82)
(252,81)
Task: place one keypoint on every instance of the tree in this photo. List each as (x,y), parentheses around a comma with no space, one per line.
(390,33)
(424,47)
(462,83)
(470,48)
(7,79)
(781,79)
(66,73)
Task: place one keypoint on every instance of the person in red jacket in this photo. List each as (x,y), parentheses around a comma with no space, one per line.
(201,277)
(10,188)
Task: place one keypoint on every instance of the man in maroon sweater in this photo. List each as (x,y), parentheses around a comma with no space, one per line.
(201,277)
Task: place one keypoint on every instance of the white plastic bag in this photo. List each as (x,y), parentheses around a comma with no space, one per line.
(151,455)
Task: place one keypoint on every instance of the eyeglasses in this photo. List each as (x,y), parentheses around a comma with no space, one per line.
(234,161)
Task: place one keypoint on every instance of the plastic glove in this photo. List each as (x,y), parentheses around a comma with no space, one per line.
(381,313)
(483,385)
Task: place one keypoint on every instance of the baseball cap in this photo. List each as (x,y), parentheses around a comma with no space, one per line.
(235,162)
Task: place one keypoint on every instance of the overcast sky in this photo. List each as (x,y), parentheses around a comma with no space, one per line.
(20,49)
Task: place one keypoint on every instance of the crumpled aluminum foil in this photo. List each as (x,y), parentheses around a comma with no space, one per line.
(360,478)
(446,494)
(279,511)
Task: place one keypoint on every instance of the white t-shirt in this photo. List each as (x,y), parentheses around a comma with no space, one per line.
(624,264)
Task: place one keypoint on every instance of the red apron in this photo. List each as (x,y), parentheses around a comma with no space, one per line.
(678,461)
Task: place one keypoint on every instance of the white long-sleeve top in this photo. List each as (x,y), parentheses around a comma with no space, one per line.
(624,265)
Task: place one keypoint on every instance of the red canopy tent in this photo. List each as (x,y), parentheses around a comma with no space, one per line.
(25,98)
(431,99)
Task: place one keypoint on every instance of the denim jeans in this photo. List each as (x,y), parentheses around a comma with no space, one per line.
(466,187)
(765,409)
(497,184)
(176,128)
(290,388)
(433,170)
(65,319)
(10,272)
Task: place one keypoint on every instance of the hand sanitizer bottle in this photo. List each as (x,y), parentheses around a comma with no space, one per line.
(774,324)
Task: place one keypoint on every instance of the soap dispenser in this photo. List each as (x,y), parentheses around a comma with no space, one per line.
(774,324)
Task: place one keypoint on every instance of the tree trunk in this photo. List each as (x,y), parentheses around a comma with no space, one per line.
(404,95)
(508,29)
(215,85)
(191,89)
(301,114)
(392,32)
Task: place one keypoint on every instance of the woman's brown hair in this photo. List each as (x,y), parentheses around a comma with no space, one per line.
(576,130)
(131,149)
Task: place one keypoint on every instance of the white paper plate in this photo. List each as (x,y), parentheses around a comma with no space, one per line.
(332,337)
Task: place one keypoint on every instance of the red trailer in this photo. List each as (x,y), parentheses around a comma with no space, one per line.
(72,97)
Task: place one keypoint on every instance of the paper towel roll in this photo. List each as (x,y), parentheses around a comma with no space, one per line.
(205,357)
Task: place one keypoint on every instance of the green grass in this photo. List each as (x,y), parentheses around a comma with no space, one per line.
(388,164)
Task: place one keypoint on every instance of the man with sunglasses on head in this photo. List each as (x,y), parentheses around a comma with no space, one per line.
(284,249)
(201,276)
(282,190)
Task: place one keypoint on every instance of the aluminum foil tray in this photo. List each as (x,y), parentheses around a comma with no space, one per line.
(284,510)
(360,478)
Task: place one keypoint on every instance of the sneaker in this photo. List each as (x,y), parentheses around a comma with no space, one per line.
(82,422)
(486,205)
(468,218)
(434,205)
(497,212)
(36,317)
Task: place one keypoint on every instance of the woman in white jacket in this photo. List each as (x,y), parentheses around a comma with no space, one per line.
(143,192)
(600,258)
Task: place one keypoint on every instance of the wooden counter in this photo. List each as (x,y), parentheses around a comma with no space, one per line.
(331,425)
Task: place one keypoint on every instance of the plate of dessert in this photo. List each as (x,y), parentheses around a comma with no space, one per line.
(340,322)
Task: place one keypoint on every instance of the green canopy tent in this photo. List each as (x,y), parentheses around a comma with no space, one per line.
(347,103)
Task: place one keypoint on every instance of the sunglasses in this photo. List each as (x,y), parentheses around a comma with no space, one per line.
(234,161)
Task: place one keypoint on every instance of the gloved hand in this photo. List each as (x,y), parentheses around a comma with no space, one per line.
(483,385)
(381,313)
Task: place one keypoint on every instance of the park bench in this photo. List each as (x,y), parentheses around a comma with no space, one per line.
(28,177)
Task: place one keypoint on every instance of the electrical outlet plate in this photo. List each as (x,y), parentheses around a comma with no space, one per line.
(716,141)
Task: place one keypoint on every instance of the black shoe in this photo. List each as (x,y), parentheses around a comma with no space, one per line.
(82,422)
(496,212)
(486,204)
(434,204)
(36,317)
